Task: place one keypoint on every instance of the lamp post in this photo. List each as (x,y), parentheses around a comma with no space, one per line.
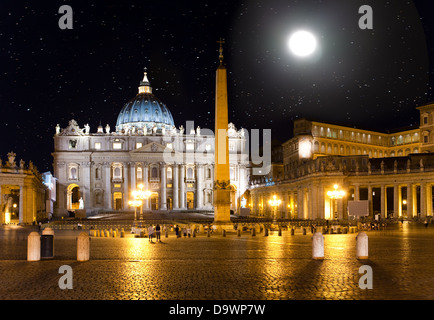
(141,195)
(135,204)
(274,203)
(334,195)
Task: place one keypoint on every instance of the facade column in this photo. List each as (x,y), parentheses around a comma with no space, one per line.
(287,204)
(163,186)
(371,211)
(182,187)
(21,211)
(199,186)
(409,201)
(300,200)
(396,201)
(108,189)
(429,200)
(86,185)
(175,187)
(125,176)
(146,183)
(133,177)
(383,201)
(356,192)
(423,199)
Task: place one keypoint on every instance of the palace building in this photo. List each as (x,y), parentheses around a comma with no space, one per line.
(98,171)
(392,173)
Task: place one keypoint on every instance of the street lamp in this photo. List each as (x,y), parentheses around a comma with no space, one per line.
(141,195)
(334,195)
(135,204)
(274,203)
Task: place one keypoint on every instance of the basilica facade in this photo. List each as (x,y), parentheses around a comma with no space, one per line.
(97,171)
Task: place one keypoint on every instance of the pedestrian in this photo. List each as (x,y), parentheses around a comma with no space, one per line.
(157,232)
(150,232)
(426,223)
(184,231)
(189,231)
(177,231)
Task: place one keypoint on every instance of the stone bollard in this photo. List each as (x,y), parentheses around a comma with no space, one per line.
(201,228)
(115,234)
(224,233)
(279,233)
(239,232)
(345,230)
(292,231)
(265,232)
(208,233)
(47,244)
(122,233)
(33,247)
(166,234)
(83,247)
(253,232)
(318,246)
(304,231)
(362,246)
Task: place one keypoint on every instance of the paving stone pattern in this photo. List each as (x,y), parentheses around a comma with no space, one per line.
(222,268)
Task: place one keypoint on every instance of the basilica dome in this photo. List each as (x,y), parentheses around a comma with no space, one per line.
(145,113)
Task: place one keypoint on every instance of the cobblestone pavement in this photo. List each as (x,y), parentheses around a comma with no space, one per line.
(222,268)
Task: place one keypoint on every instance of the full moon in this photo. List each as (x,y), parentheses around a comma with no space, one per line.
(302,43)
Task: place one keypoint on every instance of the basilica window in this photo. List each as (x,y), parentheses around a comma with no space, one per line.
(190,173)
(169,173)
(117,145)
(208,147)
(117,171)
(73,173)
(154,173)
(138,145)
(97,145)
(232,146)
(72,144)
(139,173)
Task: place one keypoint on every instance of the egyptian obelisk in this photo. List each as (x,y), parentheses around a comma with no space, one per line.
(222,201)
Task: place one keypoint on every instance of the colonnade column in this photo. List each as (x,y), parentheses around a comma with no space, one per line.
(423,199)
(21,212)
(396,201)
(383,201)
(429,200)
(409,201)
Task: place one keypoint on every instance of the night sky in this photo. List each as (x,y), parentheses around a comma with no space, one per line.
(370,79)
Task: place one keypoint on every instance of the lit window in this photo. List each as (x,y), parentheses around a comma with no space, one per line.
(208,147)
(169,145)
(117,145)
(139,145)
(97,145)
(189,146)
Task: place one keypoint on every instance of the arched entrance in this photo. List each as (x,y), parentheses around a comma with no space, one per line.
(73,197)
(190,200)
(154,201)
